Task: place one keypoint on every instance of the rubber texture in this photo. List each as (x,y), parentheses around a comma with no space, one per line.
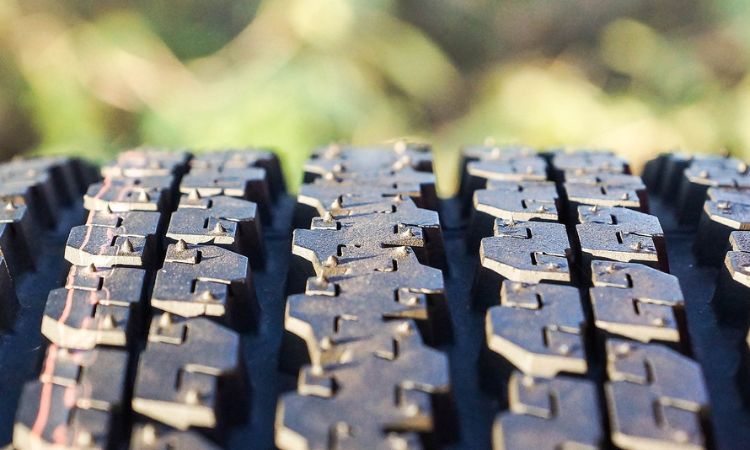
(171,300)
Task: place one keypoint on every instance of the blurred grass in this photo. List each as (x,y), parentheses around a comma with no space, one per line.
(90,78)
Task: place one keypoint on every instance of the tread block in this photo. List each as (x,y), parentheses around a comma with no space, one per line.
(370,228)
(733,284)
(490,151)
(538,328)
(109,239)
(582,162)
(607,190)
(340,160)
(119,284)
(188,372)
(703,174)
(29,183)
(507,168)
(328,193)
(228,222)
(249,183)
(481,165)
(637,302)
(76,402)
(383,396)
(78,319)
(513,201)
(76,316)
(656,397)
(130,194)
(725,210)
(243,159)
(146,162)
(63,174)
(520,201)
(527,252)
(127,223)
(549,414)
(205,280)
(621,234)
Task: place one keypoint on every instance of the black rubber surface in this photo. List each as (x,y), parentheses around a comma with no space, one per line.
(716,347)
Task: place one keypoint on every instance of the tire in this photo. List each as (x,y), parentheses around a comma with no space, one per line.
(163,301)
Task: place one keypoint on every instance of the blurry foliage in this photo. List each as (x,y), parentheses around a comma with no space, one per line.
(90,78)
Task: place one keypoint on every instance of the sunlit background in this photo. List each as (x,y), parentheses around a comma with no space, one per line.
(92,77)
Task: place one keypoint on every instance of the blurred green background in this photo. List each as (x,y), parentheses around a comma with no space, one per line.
(93,77)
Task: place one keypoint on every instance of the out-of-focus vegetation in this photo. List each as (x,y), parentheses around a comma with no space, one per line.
(92,77)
